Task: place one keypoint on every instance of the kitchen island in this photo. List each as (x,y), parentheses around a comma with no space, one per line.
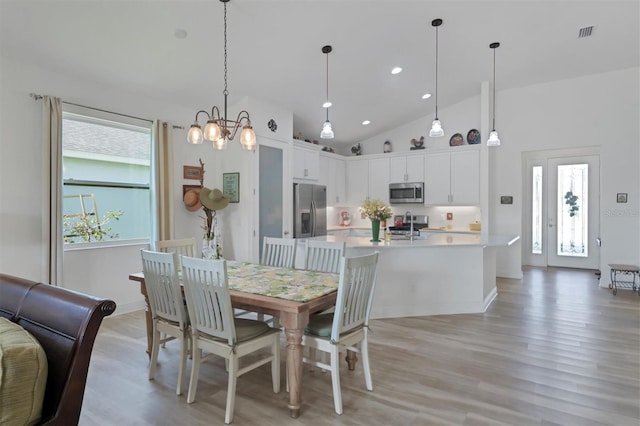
(437,273)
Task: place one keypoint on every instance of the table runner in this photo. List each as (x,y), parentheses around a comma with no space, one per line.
(292,284)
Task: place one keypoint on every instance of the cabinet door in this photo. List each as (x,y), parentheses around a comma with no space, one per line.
(398,170)
(338,177)
(465,177)
(333,175)
(415,168)
(437,172)
(379,179)
(357,181)
(306,164)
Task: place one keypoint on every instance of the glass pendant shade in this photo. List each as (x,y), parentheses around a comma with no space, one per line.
(195,136)
(248,138)
(220,143)
(493,140)
(327,131)
(436,129)
(212,131)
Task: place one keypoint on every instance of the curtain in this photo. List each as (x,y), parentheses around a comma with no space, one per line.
(52,188)
(162,174)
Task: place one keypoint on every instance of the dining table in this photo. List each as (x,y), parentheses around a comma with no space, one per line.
(290,294)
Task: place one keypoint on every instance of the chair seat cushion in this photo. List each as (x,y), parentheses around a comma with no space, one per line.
(23,375)
(320,325)
(247,329)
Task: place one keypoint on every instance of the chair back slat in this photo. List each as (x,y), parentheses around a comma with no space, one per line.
(208,300)
(324,256)
(355,294)
(163,286)
(279,252)
(182,247)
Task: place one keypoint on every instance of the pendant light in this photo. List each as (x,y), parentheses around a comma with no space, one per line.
(494,140)
(220,129)
(436,128)
(327,131)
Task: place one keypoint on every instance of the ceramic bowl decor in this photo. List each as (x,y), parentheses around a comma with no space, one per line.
(473,137)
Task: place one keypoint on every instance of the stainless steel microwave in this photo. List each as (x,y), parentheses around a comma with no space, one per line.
(406,193)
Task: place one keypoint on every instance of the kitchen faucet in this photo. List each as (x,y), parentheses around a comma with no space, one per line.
(408,213)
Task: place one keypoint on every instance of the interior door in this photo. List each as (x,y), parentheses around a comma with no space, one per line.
(573,204)
(273,202)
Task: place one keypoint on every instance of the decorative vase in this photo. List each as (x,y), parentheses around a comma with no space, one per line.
(375,230)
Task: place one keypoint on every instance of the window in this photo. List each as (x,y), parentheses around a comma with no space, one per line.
(106,177)
(536,211)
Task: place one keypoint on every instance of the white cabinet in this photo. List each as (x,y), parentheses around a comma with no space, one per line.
(379,179)
(367,179)
(306,163)
(333,174)
(452,177)
(406,169)
(357,181)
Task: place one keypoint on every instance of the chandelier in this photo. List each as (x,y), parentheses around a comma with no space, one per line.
(220,129)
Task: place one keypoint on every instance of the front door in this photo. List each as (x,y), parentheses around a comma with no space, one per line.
(563,202)
(574,203)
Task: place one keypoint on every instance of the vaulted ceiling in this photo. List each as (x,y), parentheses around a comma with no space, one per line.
(274,50)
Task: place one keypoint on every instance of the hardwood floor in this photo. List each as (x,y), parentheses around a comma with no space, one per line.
(553,349)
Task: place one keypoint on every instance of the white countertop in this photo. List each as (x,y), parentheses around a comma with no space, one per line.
(438,239)
(423,230)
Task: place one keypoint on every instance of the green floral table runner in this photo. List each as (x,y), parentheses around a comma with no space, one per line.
(292,284)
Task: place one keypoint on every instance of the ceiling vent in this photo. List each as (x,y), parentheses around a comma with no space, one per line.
(585,31)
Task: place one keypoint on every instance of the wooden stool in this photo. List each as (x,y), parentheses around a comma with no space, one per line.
(624,270)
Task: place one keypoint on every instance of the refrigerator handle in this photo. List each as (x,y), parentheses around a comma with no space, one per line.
(313,218)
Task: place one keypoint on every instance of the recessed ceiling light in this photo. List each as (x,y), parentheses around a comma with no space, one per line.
(365,122)
(180,33)
(396,70)
(327,104)
(426,96)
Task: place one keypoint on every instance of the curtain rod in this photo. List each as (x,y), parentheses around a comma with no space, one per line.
(36,97)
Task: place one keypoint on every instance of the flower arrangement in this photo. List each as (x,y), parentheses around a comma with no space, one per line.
(375,209)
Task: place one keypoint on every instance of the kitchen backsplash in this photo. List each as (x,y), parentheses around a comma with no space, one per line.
(462,215)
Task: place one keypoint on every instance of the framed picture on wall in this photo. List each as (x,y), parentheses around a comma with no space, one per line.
(231,186)
(192,172)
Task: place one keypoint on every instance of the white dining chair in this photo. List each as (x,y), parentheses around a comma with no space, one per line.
(279,252)
(169,315)
(182,247)
(324,256)
(348,326)
(216,331)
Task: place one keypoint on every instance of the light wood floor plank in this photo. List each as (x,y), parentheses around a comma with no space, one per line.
(552,349)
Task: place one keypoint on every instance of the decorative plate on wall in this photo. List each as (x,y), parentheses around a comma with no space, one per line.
(473,137)
(456,140)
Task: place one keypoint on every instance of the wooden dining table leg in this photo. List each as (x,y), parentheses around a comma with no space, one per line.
(147,316)
(294,328)
(351,359)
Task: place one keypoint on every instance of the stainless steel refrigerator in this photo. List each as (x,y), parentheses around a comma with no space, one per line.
(309,210)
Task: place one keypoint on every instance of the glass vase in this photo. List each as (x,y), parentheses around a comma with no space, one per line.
(375,231)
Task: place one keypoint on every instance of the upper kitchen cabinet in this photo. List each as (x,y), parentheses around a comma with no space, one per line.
(452,177)
(408,168)
(333,174)
(379,179)
(306,161)
(357,181)
(367,178)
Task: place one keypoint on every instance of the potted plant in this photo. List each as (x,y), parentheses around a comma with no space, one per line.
(376,211)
